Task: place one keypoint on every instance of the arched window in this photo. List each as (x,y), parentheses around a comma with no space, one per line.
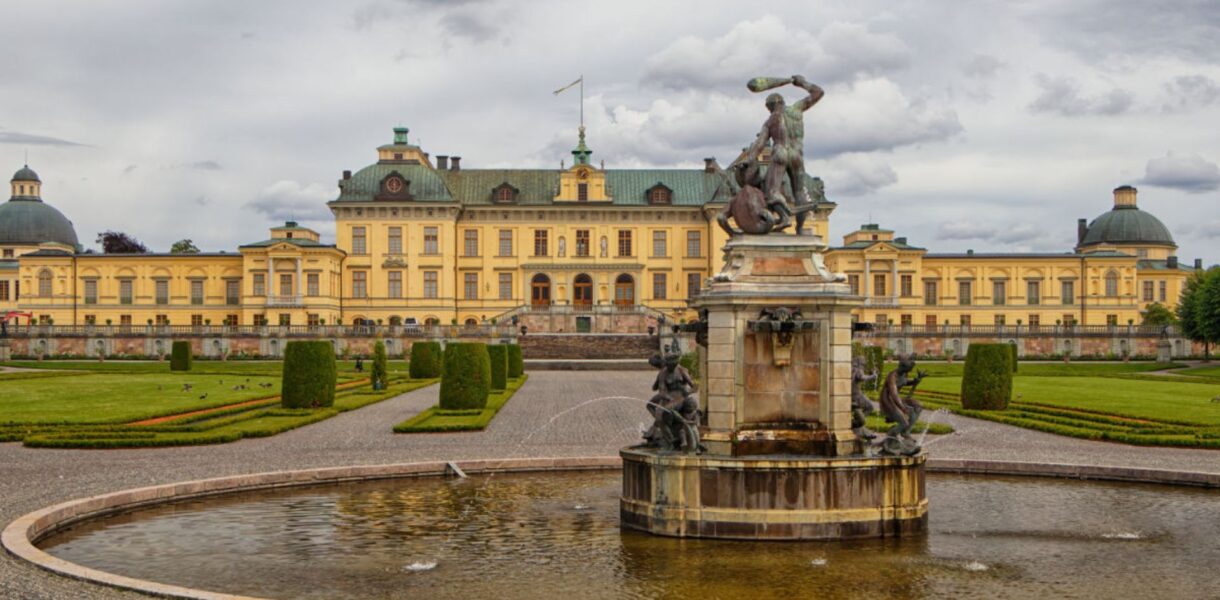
(471,322)
(432,321)
(540,290)
(624,290)
(395,321)
(582,290)
(44,283)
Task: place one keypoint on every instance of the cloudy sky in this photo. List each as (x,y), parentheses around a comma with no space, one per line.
(985,125)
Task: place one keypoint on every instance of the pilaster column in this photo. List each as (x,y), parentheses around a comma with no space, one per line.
(895,289)
(270,278)
(298,279)
(864,285)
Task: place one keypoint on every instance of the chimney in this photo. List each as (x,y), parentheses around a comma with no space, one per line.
(455,163)
(1172,262)
(1124,197)
(970,252)
(347,174)
(709,165)
(1198,264)
(1082,228)
(442,162)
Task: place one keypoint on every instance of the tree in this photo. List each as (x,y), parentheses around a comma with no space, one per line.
(1159,314)
(1199,308)
(184,247)
(117,242)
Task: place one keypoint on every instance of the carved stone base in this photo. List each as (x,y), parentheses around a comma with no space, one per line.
(6,351)
(773,497)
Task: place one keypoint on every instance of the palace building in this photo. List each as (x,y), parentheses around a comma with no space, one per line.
(423,239)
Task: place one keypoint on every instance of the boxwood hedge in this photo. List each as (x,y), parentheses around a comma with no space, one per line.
(425,360)
(180,356)
(987,378)
(516,365)
(466,380)
(378,375)
(498,355)
(309,375)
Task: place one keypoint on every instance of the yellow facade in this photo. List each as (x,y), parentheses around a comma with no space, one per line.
(422,240)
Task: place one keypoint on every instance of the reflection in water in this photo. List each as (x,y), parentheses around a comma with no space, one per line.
(557,535)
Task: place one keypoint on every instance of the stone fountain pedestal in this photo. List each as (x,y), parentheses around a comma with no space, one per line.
(782,461)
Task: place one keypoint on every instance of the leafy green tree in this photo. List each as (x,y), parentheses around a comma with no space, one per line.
(1159,314)
(185,246)
(117,242)
(1199,309)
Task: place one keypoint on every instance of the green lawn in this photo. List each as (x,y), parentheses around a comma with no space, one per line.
(1212,371)
(1076,369)
(436,419)
(347,368)
(123,397)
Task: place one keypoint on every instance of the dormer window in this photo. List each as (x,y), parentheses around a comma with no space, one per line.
(394,187)
(504,194)
(398,156)
(660,194)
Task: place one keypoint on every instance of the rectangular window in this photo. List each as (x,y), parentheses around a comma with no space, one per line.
(624,242)
(44,284)
(853,282)
(906,320)
(359,241)
(1111,285)
(3,290)
(1000,320)
(1112,320)
(1033,292)
(470,242)
(311,284)
(196,292)
(1068,292)
(694,244)
(90,319)
(658,286)
(660,243)
(233,291)
(582,192)
(470,285)
(907,289)
(540,242)
(965,294)
(930,294)
(999,293)
(90,291)
(506,242)
(1035,320)
(360,284)
(964,320)
(1069,319)
(430,287)
(161,320)
(1149,291)
(8,253)
(285,319)
(162,291)
(506,286)
(313,319)
(196,320)
(432,244)
(394,283)
(881,318)
(260,286)
(125,291)
(878,285)
(395,240)
(694,282)
(929,320)
(260,320)
(125,320)
(582,242)
(286,284)
(233,320)
(1164,290)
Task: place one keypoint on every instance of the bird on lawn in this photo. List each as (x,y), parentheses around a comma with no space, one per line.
(186,387)
(205,395)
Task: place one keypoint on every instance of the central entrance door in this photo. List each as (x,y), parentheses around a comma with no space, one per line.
(540,290)
(582,290)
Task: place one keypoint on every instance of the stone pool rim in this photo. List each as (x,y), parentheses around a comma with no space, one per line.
(20,536)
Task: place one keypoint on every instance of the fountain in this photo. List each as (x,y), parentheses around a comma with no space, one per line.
(777,456)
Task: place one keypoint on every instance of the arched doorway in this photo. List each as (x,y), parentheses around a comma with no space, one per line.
(540,290)
(624,290)
(582,290)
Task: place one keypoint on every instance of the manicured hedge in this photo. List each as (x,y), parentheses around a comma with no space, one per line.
(425,360)
(378,375)
(498,355)
(309,375)
(1012,351)
(466,381)
(180,356)
(987,378)
(516,364)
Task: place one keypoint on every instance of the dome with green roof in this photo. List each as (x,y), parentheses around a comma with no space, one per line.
(1127,224)
(25,173)
(28,221)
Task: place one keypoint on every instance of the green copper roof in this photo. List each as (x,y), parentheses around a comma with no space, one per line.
(860,244)
(25,173)
(582,152)
(304,243)
(1127,225)
(32,221)
(425,184)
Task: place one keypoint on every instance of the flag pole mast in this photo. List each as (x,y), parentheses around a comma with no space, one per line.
(582,101)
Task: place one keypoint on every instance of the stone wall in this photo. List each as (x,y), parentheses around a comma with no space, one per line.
(1041,346)
(588,346)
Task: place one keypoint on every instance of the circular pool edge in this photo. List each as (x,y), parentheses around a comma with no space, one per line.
(20,536)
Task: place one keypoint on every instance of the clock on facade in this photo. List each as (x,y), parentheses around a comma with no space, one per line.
(395,185)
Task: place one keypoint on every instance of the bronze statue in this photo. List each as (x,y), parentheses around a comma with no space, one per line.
(903,412)
(861,406)
(784,132)
(674,408)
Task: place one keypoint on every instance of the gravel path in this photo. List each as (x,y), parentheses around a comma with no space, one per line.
(603,413)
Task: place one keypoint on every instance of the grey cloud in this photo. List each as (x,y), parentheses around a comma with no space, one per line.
(982,66)
(971,230)
(471,19)
(1187,92)
(33,139)
(1187,172)
(1104,29)
(201,201)
(205,165)
(1062,95)
(1210,230)
(291,200)
(129,169)
(854,175)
